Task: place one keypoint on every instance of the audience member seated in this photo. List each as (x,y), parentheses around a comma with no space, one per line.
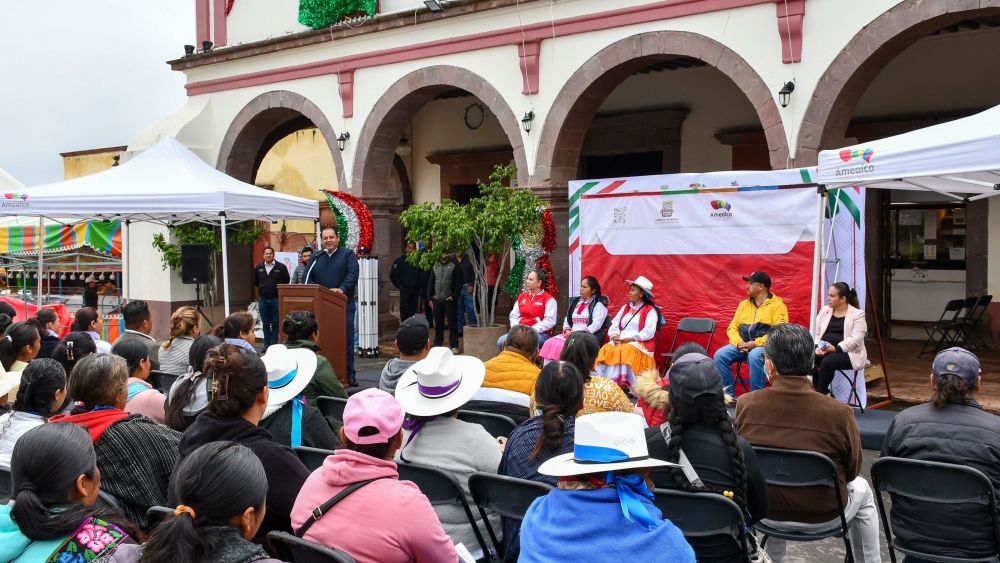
(534,308)
(289,419)
(398,522)
(19,345)
(221,492)
(821,424)
(302,331)
(73,348)
(558,397)
(632,336)
(134,454)
(600,394)
(238,330)
(413,341)
(142,397)
(603,510)
(747,331)
(50,328)
(238,401)
(431,392)
(649,381)
(88,320)
(840,336)
(700,437)
(184,328)
(40,396)
(189,395)
(952,428)
(10,311)
(138,325)
(510,376)
(55,480)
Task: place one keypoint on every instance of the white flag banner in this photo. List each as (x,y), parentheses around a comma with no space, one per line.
(844,240)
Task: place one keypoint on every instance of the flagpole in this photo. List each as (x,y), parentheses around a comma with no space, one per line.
(817,257)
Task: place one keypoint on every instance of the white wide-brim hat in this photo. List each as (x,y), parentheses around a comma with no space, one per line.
(606,441)
(289,371)
(439,383)
(642,283)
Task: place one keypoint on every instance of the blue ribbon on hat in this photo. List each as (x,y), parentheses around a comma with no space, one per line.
(279,383)
(631,488)
(297,420)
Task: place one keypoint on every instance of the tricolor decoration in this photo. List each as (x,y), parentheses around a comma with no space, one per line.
(537,256)
(355,225)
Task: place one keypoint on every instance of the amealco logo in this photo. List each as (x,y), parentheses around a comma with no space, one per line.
(860,162)
(722,208)
(12,199)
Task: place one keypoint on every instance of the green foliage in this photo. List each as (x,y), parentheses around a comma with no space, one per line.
(243,233)
(322,13)
(489,222)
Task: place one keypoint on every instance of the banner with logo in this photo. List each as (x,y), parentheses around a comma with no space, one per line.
(844,241)
(695,246)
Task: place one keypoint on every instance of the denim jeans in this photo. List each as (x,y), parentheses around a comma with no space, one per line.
(466,306)
(269,319)
(728,355)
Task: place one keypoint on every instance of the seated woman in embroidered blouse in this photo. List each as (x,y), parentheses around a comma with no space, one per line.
(633,336)
(238,330)
(55,484)
(535,308)
(586,313)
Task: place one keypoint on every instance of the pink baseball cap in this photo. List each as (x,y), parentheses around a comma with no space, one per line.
(376,409)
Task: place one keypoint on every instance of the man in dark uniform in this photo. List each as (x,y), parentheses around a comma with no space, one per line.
(337,268)
(408,279)
(267,276)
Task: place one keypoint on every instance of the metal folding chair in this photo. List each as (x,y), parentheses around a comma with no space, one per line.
(297,550)
(939,331)
(312,458)
(936,484)
(690,325)
(507,496)
(701,515)
(800,468)
(965,333)
(332,407)
(496,424)
(162,380)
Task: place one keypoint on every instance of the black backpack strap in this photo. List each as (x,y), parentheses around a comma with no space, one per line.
(319,511)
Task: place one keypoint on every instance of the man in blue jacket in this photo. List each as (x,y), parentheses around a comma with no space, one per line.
(337,268)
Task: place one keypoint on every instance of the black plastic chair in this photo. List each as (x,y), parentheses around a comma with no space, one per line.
(312,458)
(509,497)
(940,331)
(701,515)
(965,333)
(155,514)
(496,424)
(690,325)
(935,483)
(162,380)
(442,488)
(6,485)
(800,468)
(332,407)
(739,380)
(109,500)
(297,550)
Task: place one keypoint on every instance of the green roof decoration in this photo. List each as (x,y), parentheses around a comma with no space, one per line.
(322,13)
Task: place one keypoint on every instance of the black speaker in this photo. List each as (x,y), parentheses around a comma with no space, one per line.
(194,263)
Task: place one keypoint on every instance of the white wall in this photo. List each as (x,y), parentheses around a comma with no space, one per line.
(256,20)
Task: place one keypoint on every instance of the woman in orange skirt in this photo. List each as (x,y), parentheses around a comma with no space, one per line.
(632,336)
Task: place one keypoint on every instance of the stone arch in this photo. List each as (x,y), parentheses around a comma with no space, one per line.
(845,81)
(385,124)
(566,125)
(264,121)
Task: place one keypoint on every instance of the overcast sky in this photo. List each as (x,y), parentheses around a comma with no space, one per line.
(82,75)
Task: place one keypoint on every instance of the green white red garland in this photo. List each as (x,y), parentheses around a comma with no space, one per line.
(537,256)
(355,224)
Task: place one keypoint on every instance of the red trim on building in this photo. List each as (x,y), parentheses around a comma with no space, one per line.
(663,10)
(791,14)
(220,29)
(346,80)
(203,31)
(529,52)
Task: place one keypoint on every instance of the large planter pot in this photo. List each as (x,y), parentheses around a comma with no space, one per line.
(481,342)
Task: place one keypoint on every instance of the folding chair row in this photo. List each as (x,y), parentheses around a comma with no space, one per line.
(958,324)
(692,326)
(496,424)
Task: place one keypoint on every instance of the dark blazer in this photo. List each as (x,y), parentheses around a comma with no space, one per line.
(268,283)
(336,271)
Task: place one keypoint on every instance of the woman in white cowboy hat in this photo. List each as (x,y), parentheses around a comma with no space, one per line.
(632,336)
(431,392)
(604,496)
(288,417)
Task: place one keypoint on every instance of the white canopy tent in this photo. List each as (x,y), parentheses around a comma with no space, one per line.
(8,182)
(957,157)
(167,184)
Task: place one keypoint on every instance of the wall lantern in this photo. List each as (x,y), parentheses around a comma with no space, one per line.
(342,140)
(785,93)
(526,121)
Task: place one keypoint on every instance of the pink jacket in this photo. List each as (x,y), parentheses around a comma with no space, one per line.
(855,329)
(386,521)
(149,402)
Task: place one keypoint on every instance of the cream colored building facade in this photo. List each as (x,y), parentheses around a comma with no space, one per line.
(425,103)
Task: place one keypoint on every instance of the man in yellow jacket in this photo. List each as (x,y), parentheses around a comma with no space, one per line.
(748,331)
(514,369)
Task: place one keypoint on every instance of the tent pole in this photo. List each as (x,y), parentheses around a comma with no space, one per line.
(319,234)
(41,273)
(225,262)
(125,276)
(817,258)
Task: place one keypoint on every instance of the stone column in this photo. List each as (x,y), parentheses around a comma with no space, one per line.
(388,246)
(556,198)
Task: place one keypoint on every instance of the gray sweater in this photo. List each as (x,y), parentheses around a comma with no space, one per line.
(460,448)
(391,373)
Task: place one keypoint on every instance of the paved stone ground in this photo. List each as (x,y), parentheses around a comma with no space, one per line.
(830,550)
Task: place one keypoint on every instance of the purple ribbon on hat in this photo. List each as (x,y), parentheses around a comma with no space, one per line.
(438,392)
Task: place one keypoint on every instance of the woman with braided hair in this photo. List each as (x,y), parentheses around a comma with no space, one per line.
(699,435)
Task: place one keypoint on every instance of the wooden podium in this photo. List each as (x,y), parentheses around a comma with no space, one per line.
(331,311)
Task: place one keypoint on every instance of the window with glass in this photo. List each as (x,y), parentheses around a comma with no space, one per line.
(927,237)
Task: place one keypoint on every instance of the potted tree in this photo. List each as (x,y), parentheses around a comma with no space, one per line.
(488,223)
